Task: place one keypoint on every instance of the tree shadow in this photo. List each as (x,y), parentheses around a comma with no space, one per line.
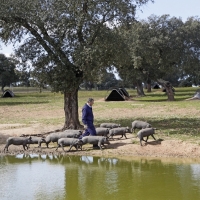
(155,142)
(21,103)
(174,125)
(116,145)
(160,96)
(3,138)
(117,138)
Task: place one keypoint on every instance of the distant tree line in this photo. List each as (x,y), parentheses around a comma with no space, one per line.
(159,47)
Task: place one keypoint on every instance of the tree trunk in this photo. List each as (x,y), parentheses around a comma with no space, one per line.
(71,110)
(140,90)
(169,89)
(169,92)
(148,85)
(2,89)
(89,86)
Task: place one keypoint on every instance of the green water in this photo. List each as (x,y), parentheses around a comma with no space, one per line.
(44,177)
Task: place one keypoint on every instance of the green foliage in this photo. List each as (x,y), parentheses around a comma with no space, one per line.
(7,71)
(186,82)
(24,77)
(161,48)
(65,41)
(191,57)
(107,81)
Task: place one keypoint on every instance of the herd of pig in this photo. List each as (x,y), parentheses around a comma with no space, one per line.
(70,137)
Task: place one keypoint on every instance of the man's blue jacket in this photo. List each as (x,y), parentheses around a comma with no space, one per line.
(87,119)
(87,115)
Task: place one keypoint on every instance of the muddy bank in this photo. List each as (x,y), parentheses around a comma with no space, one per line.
(161,148)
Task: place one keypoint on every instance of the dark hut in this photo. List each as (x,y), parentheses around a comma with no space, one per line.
(8,93)
(118,94)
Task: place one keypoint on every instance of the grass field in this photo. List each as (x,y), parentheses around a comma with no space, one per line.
(179,118)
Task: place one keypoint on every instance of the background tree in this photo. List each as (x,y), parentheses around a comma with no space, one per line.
(108,81)
(156,48)
(66,40)
(186,82)
(125,63)
(191,59)
(7,71)
(24,77)
(38,81)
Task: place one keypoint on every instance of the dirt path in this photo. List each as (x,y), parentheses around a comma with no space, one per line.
(163,147)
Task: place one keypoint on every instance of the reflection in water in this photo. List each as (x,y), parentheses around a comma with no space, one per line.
(86,177)
(25,178)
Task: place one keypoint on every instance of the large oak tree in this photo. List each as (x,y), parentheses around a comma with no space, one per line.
(65,40)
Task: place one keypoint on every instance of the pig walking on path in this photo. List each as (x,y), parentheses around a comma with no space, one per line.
(146,133)
(72,142)
(139,125)
(97,140)
(110,125)
(36,140)
(101,131)
(119,131)
(17,141)
(54,137)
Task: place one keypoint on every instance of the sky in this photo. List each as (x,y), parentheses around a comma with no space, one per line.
(177,8)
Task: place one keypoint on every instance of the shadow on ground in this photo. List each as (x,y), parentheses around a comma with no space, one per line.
(3,138)
(116,145)
(155,142)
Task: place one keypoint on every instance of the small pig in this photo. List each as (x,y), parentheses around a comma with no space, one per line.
(36,140)
(119,131)
(99,140)
(73,133)
(102,131)
(70,134)
(139,125)
(54,137)
(110,125)
(146,132)
(17,141)
(72,142)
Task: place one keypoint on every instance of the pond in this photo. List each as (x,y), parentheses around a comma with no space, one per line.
(44,177)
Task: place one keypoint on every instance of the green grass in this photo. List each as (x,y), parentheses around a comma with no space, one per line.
(158,95)
(28,104)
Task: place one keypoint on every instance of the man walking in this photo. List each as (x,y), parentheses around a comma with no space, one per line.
(88,119)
